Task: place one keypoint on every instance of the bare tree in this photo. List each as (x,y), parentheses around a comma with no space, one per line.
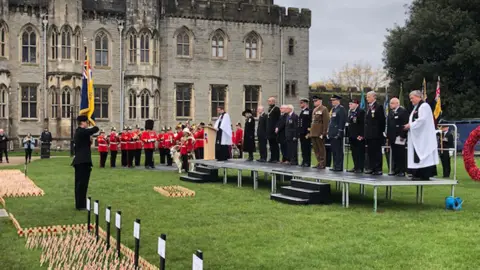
(359,75)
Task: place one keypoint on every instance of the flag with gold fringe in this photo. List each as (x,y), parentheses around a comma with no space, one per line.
(438,105)
(87,101)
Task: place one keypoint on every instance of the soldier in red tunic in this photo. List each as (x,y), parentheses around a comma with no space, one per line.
(161,145)
(138,145)
(199,141)
(169,142)
(149,137)
(179,134)
(186,147)
(113,141)
(124,141)
(102,148)
(131,147)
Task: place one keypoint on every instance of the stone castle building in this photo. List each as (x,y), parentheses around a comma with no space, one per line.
(167,60)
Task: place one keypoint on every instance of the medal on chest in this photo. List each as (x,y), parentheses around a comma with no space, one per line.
(373,113)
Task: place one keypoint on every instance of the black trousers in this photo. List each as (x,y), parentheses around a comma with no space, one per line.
(184,159)
(3,151)
(240,150)
(328,155)
(131,158)
(424,173)
(163,155)
(337,152)
(292,151)
(374,152)
(399,157)
(138,156)
(445,159)
(199,152)
(262,146)
(28,155)
(103,159)
(113,159)
(358,153)
(149,158)
(125,158)
(82,177)
(274,150)
(222,152)
(169,157)
(284,150)
(306,146)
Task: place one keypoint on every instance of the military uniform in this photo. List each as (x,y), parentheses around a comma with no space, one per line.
(336,133)
(304,121)
(291,138)
(102,148)
(148,138)
(374,128)
(355,131)
(82,162)
(113,142)
(318,133)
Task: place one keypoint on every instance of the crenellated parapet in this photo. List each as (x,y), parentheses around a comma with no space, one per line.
(237,12)
(33,7)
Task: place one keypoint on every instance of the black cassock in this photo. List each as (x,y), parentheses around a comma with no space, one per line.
(249,135)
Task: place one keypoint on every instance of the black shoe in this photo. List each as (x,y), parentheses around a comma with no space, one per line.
(377,173)
(152,167)
(368,172)
(351,171)
(401,174)
(358,171)
(336,170)
(261,160)
(146,167)
(81,209)
(392,174)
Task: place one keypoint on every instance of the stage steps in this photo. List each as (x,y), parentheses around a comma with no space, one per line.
(304,192)
(201,174)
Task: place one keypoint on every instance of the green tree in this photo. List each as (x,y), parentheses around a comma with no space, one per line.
(440,38)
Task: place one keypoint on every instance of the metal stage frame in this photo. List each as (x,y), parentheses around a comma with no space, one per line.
(342,179)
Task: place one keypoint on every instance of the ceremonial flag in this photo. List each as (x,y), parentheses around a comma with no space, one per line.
(438,105)
(424,90)
(87,101)
(386,103)
(362,101)
(401,95)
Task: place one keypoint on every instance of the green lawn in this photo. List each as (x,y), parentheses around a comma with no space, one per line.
(239,228)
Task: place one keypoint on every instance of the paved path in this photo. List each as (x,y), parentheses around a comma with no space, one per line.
(15,161)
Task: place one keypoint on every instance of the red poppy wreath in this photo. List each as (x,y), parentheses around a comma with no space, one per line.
(468,154)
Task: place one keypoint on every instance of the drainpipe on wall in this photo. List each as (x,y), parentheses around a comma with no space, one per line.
(44,86)
(122,98)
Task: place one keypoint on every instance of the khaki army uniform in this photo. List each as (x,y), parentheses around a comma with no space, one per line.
(318,133)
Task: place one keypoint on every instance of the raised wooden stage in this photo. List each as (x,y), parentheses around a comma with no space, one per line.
(342,179)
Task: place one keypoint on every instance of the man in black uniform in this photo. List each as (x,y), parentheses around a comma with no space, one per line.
(397,137)
(249,134)
(262,134)
(336,131)
(355,131)
(273,116)
(291,135)
(445,149)
(82,161)
(46,138)
(280,130)
(374,128)
(3,145)
(304,121)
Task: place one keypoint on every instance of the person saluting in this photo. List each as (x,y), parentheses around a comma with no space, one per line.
(82,161)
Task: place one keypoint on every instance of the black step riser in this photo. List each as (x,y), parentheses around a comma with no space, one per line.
(285,200)
(312,197)
(207,170)
(308,185)
(205,177)
(192,180)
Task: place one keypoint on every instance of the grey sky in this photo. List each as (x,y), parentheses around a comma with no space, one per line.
(347,31)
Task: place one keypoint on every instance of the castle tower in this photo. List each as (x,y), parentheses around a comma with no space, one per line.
(142,55)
